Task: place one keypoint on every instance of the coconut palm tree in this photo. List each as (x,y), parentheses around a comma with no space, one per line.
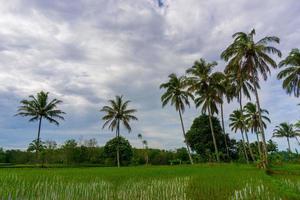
(206,86)
(224,91)
(285,130)
(39,107)
(177,95)
(238,122)
(291,72)
(241,87)
(145,146)
(252,58)
(252,120)
(117,112)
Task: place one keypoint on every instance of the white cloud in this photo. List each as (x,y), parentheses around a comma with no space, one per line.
(86,52)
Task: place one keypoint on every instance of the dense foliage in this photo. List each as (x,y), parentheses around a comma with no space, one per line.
(110,151)
(200,139)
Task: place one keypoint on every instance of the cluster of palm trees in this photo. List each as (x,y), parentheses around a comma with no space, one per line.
(245,120)
(247,61)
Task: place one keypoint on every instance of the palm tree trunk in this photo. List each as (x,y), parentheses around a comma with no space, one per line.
(258,145)
(265,151)
(244,147)
(38,139)
(185,140)
(288,140)
(213,135)
(118,143)
(250,149)
(248,143)
(147,157)
(223,127)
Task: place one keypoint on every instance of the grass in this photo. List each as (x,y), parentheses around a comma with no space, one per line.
(224,181)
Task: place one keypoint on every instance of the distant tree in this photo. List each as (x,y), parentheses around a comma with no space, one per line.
(49,151)
(118,112)
(90,143)
(124,147)
(36,145)
(2,156)
(272,146)
(69,150)
(291,72)
(182,154)
(285,130)
(40,107)
(200,138)
(18,157)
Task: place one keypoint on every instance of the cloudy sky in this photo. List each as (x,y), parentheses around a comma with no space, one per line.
(86,52)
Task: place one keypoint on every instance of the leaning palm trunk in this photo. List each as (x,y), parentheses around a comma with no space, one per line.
(213,135)
(258,145)
(244,147)
(223,127)
(185,140)
(118,143)
(248,143)
(38,140)
(265,152)
(250,149)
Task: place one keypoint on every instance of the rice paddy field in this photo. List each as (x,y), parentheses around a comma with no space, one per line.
(224,181)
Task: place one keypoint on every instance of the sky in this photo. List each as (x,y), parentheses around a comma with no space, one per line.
(85,52)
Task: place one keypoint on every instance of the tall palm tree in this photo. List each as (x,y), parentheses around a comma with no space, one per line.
(253,59)
(117,112)
(238,122)
(39,107)
(178,96)
(252,120)
(206,86)
(224,91)
(291,74)
(285,130)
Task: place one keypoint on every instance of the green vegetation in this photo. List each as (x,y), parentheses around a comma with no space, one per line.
(200,138)
(209,181)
